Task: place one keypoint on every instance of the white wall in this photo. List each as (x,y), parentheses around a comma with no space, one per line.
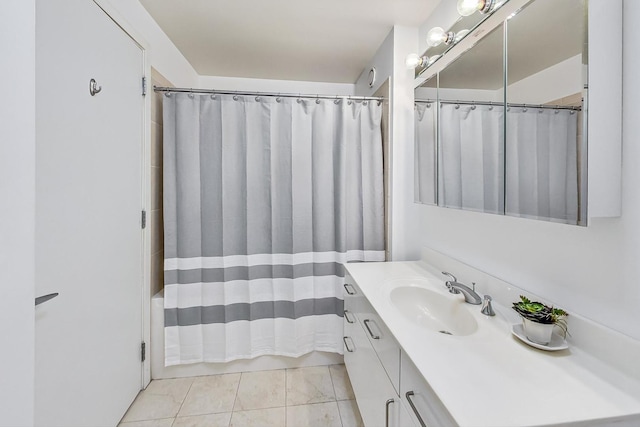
(595,270)
(267,85)
(17,212)
(162,53)
(389,62)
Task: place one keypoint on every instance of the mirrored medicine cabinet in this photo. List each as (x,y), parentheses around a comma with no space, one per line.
(502,127)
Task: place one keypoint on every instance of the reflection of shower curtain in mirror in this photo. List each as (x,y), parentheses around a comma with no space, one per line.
(425,152)
(542,162)
(471,166)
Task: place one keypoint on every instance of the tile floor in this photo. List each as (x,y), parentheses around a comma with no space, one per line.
(304,397)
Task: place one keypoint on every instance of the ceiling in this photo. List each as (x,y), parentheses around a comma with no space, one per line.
(323,40)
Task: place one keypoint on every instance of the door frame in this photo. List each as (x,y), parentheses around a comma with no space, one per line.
(145,203)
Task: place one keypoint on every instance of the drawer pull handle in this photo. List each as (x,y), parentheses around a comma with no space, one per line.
(346,288)
(366,325)
(386,411)
(346,317)
(344,339)
(413,407)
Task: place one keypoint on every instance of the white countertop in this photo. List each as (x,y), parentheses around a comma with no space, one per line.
(490,378)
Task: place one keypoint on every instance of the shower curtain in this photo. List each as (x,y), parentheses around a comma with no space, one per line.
(425,152)
(542,164)
(265,199)
(471,166)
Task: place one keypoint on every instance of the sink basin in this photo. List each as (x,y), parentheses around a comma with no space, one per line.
(433,311)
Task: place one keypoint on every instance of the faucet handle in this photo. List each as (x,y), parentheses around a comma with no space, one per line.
(486,308)
(449,282)
(453,278)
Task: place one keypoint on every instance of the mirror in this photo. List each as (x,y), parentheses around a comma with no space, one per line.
(545,157)
(424,119)
(511,124)
(471,128)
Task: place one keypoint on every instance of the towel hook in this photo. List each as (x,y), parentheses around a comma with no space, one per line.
(93,87)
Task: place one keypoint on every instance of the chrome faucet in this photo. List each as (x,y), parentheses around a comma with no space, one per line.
(455,287)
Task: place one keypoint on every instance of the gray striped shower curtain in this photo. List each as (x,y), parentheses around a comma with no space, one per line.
(265,199)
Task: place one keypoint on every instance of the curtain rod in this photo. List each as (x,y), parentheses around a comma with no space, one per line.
(282,95)
(501,104)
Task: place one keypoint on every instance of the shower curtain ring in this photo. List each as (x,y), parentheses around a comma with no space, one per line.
(235,97)
(190,96)
(337,101)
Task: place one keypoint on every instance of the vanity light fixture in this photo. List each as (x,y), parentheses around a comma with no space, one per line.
(414,60)
(438,35)
(468,7)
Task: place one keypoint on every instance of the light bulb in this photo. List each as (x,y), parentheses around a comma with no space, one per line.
(437,35)
(412,61)
(460,35)
(468,7)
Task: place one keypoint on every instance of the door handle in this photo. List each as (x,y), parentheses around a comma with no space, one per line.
(45,298)
(386,411)
(415,410)
(347,317)
(366,324)
(353,290)
(344,339)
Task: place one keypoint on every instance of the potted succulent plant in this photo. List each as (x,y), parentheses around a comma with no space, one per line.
(539,319)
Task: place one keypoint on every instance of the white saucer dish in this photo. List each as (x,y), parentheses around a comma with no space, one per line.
(556,343)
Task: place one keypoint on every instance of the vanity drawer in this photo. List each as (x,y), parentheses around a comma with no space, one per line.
(383,342)
(420,399)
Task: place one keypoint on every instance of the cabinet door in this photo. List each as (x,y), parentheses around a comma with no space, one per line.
(420,400)
(368,378)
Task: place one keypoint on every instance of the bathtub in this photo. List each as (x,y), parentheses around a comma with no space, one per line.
(262,363)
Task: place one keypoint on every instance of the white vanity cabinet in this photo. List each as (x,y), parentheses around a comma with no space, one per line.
(372,358)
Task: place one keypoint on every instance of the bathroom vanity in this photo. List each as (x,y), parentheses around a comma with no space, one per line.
(419,355)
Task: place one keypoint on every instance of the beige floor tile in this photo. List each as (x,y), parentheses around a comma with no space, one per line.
(211,395)
(161,399)
(272,417)
(341,383)
(210,420)
(316,415)
(309,385)
(350,414)
(166,422)
(260,390)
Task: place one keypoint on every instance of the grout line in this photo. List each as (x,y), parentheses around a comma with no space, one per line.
(235,399)
(335,395)
(333,384)
(285,396)
(185,398)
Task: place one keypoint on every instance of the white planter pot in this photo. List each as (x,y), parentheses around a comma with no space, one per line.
(539,333)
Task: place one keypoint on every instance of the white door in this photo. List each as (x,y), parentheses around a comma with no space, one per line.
(88,205)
